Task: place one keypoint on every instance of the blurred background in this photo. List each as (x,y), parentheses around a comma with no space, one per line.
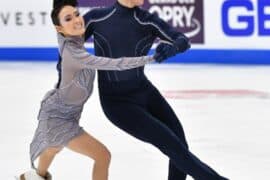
(220,89)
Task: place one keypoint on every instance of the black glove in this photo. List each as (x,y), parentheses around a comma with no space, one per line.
(182,44)
(164,50)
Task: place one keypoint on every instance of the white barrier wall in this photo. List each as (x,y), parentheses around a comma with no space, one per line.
(26,23)
(244,20)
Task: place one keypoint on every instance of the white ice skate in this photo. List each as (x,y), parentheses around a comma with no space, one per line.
(33,175)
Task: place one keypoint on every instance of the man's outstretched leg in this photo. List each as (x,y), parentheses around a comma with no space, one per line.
(137,121)
(161,110)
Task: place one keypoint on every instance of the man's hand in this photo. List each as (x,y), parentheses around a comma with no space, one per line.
(164,50)
(182,44)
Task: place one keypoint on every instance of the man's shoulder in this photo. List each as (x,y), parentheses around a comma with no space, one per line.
(98,13)
(145,15)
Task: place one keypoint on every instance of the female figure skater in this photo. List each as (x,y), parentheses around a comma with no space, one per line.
(61,108)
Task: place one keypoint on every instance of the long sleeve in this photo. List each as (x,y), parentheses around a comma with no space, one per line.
(166,32)
(86,60)
(160,28)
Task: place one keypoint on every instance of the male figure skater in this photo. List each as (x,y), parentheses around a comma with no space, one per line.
(128,98)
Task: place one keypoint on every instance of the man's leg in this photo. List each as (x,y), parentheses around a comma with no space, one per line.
(136,121)
(161,110)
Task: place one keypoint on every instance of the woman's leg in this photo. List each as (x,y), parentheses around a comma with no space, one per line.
(45,160)
(87,145)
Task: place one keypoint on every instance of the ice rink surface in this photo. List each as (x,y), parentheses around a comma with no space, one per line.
(225,111)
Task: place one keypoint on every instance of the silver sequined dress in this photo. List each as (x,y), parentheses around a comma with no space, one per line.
(58,119)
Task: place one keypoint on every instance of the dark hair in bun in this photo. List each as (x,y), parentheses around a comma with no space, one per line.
(57,7)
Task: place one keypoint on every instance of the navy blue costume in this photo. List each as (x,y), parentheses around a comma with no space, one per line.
(128,98)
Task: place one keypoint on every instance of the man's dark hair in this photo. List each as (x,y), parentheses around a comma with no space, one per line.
(57,7)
